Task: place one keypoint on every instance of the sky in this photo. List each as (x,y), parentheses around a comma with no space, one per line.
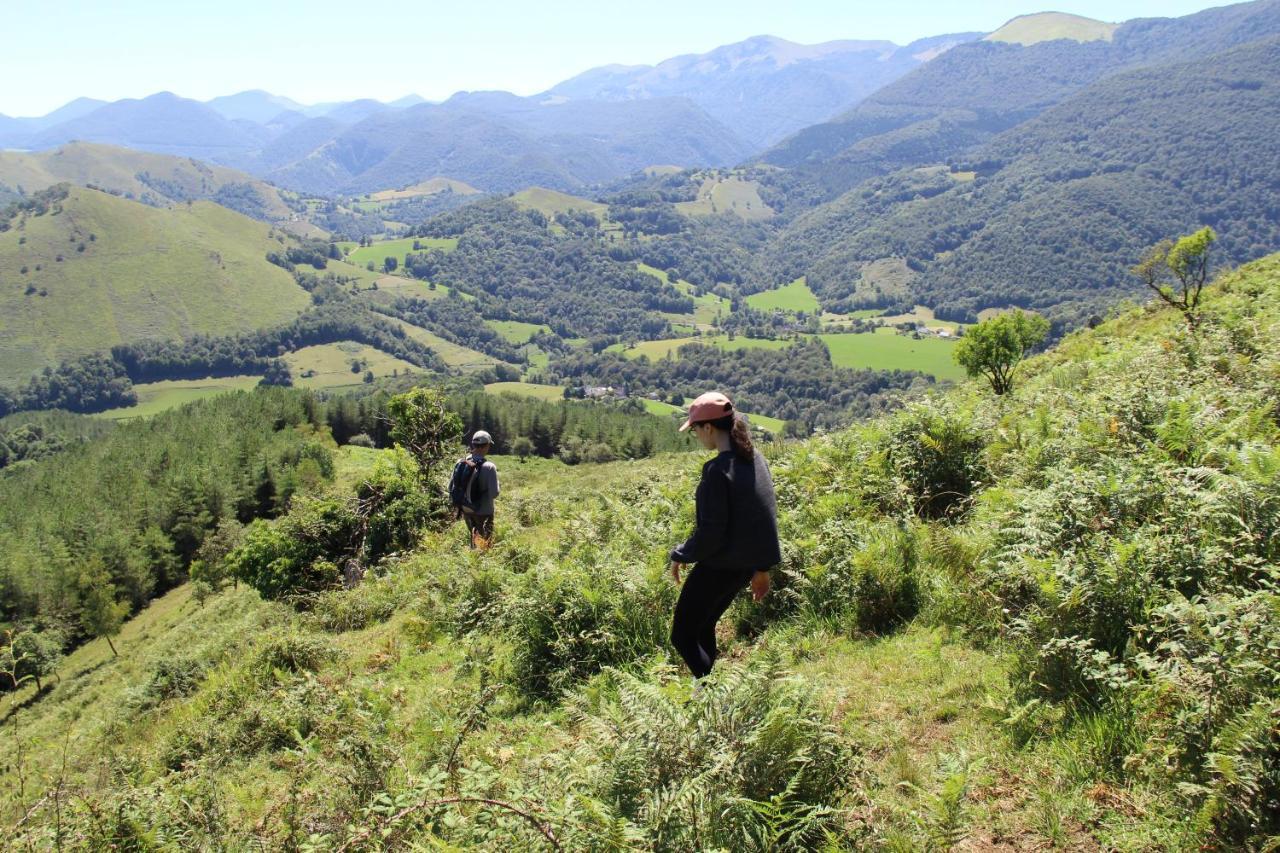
(318,50)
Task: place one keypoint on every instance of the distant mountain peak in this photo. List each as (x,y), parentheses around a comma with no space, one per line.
(1032,29)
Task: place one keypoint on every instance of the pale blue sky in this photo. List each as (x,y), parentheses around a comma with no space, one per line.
(320,50)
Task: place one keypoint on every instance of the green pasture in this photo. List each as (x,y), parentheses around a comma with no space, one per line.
(454,355)
(887,350)
(516,331)
(795,296)
(727,195)
(104,271)
(156,397)
(551,202)
(526,389)
(397,249)
(330,365)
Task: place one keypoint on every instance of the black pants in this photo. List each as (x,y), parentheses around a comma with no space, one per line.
(706,595)
(480,527)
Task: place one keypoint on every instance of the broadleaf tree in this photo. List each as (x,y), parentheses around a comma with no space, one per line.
(995,347)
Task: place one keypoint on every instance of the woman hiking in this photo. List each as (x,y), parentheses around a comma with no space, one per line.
(735,542)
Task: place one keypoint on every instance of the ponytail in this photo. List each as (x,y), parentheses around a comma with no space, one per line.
(739,435)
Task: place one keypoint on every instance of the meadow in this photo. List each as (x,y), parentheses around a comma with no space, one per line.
(156,397)
(727,194)
(398,249)
(328,366)
(550,393)
(516,331)
(97,271)
(795,296)
(887,350)
(454,355)
(884,349)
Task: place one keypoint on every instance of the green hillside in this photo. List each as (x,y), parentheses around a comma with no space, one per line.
(97,270)
(727,194)
(156,179)
(1048,26)
(795,296)
(1045,621)
(1062,205)
(431,186)
(551,202)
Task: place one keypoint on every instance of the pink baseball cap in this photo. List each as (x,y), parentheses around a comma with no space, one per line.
(711,406)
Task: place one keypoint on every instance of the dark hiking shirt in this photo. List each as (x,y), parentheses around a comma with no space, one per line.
(737,517)
(486,479)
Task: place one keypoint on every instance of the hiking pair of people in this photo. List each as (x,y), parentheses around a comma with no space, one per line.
(473,488)
(735,541)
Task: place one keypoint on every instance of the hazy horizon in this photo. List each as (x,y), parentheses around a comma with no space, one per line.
(319,52)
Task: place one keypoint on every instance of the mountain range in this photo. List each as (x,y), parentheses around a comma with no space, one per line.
(710,109)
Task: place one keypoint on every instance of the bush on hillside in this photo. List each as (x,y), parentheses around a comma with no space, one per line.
(752,763)
(938,455)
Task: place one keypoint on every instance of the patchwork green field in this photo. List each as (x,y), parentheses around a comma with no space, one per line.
(330,365)
(921,316)
(398,249)
(97,271)
(156,397)
(883,350)
(795,296)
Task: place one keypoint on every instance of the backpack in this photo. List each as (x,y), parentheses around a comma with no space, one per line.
(462,493)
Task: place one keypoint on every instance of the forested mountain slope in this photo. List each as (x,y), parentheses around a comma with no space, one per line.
(1047,619)
(764,88)
(83,270)
(499,142)
(1052,214)
(981,88)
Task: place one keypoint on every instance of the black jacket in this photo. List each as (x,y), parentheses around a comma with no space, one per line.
(737,518)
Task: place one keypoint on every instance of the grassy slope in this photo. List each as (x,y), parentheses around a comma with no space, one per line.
(1047,26)
(882,350)
(453,354)
(795,296)
(727,194)
(886,350)
(515,331)
(706,308)
(929,717)
(431,186)
(114,168)
(551,202)
(150,273)
(398,249)
(330,365)
(527,389)
(156,397)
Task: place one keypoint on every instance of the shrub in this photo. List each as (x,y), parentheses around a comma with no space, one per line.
(753,762)
(569,623)
(938,456)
